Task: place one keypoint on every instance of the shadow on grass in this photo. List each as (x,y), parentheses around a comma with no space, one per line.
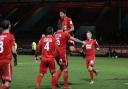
(49,86)
(85,79)
(62,83)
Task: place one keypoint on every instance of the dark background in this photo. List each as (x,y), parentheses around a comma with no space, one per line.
(31,17)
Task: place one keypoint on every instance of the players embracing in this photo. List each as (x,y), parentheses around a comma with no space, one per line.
(54,47)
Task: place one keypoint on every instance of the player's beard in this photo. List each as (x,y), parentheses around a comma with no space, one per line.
(62,18)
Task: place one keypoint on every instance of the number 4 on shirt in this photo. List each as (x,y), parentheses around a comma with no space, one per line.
(46,46)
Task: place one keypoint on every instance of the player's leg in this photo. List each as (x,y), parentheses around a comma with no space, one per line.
(71,45)
(52,70)
(59,71)
(82,53)
(65,78)
(59,62)
(73,49)
(6,85)
(6,73)
(65,69)
(92,65)
(91,70)
(94,71)
(38,80)
(43,70)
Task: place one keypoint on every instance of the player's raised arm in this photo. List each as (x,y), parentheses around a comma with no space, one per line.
(77,40)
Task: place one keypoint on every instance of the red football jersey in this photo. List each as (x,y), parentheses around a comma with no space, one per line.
(62,39)
(7,40)
(48,44)
(90,46)
(67,22)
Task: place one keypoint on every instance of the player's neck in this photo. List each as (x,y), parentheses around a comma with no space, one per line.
(60,30)
(6,31)
(49,35)
(64,17)
(90,39)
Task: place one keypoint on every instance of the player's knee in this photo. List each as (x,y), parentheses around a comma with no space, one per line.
(90,68)
(53,73)
(7,84)
(72,48)
(65,70)
(41,74)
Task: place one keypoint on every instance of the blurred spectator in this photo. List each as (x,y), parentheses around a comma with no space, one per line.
(33,47)
(114,54)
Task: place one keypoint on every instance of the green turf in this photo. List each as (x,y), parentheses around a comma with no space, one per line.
(113,74)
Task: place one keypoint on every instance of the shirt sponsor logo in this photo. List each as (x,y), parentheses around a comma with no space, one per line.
(88,46)
(58,35)
(47,40)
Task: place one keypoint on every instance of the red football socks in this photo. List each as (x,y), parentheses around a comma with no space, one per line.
(94,71)
(38,81)
(65,77)
(58,74)
(91,75)
(53,82)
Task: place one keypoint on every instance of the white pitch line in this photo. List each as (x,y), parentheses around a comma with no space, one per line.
(126,83)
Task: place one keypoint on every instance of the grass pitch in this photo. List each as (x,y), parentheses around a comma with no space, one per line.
(113,74)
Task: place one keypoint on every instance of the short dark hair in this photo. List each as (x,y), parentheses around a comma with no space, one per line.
(5,24)
(1,30)
(63,10)
(49,30)
(89,32)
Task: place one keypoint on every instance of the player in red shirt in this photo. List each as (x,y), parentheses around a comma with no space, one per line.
(68,27)
(66,21)
(48,44)
(7,43)
(90,45)
(62,37)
